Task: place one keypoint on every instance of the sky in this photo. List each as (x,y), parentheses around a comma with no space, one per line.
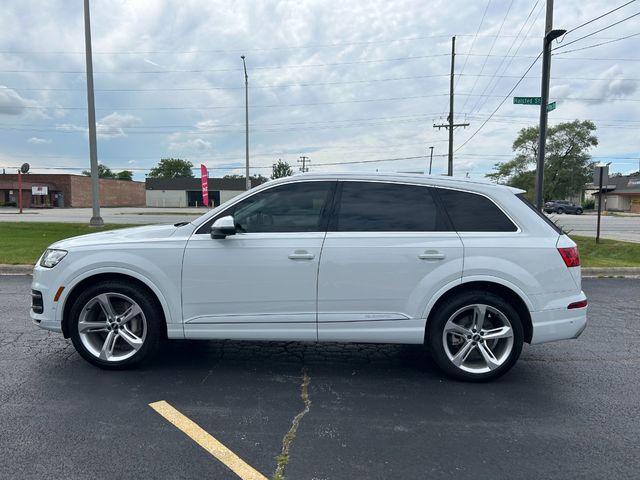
(353,85)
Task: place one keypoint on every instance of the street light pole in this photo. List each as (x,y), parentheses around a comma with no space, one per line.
(96,219)
(549,36)
(246,121)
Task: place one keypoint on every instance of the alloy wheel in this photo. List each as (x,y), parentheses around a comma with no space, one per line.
(112,327)
(478,338)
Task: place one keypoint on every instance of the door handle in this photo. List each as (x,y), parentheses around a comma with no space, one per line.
(301,255)
(432,255)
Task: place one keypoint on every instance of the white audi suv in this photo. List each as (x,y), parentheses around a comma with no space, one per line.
(469,269)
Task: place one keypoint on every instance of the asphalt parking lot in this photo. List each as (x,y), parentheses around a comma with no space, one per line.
(567,410)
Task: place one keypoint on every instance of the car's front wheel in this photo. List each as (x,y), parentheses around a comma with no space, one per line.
(579,211)
(115,325)
(476,336)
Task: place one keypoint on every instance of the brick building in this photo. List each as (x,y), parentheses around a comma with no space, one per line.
(66,190)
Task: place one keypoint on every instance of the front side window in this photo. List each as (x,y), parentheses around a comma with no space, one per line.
(294,207)
(387,207)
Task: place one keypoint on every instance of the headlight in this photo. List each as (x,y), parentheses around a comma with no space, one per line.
(52,257)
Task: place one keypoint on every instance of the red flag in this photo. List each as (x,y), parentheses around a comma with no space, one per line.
(204,178)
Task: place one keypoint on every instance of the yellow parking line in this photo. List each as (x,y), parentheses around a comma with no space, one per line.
(206,441)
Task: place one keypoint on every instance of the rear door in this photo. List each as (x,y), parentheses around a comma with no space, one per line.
(389,248)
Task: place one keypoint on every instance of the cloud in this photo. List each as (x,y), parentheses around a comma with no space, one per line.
(38,141)
(114,124)
(612,84)
(193,144)
(11,103)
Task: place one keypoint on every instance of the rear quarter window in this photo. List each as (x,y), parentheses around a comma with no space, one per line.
(471,212)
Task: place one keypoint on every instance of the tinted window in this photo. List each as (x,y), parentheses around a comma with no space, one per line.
(386,207)
(540,214)
(470,212)
(296,207)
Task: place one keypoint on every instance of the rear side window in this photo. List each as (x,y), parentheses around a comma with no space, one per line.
(539,213)
(387,207)
(470,212)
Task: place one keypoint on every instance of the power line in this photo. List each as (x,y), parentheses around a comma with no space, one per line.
(490,50)
(274,67)
(473,42)
(478,106)
(596,18)
(204,89)
(501,103)
(564,45)
(602,43)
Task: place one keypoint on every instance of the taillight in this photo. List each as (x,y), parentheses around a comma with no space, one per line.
(570,256)
(580,304)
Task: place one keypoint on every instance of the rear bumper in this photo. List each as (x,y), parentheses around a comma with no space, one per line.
(558,324)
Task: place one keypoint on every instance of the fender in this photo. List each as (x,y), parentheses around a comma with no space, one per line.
(477,278)
(174,329)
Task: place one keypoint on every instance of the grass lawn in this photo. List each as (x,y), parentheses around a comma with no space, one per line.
(608,253)
(23,242)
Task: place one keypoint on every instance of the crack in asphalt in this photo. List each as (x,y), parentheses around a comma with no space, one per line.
(283,458)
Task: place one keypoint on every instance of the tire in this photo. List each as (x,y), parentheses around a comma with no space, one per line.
(113,341)
(472,356)
(579,211)
(560,211)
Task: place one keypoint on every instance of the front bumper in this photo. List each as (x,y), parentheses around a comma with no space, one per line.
(43,280)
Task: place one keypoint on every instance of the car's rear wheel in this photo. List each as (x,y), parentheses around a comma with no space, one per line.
(560,210)
(115,325)
(476,336)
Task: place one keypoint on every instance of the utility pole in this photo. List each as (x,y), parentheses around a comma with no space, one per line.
(96,219)
(304,160)
(430,160)
(549,36)
(451,125)
(246,122)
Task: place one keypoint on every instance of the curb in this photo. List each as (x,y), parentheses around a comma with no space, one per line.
(594,272)
(16,269)
(587,272)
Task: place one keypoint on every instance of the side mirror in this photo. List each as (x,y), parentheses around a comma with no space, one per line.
(223,227)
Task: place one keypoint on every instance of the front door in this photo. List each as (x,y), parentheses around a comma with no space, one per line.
(260,283)
(388,250)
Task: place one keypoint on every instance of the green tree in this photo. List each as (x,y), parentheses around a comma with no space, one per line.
(281,169)
(103,172)
(172,168)
(568,164)
(125,175)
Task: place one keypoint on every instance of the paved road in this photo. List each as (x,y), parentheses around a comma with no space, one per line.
(109,215)
(567,410)
(611,226)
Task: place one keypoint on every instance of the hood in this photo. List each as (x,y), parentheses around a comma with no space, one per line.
(122,235)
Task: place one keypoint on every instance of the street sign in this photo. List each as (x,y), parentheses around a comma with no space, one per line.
(551,106)
(527,100)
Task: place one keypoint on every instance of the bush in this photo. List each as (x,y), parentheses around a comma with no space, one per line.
(589,204)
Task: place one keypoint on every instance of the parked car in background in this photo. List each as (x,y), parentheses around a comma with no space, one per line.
(470,269)
(562,206)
